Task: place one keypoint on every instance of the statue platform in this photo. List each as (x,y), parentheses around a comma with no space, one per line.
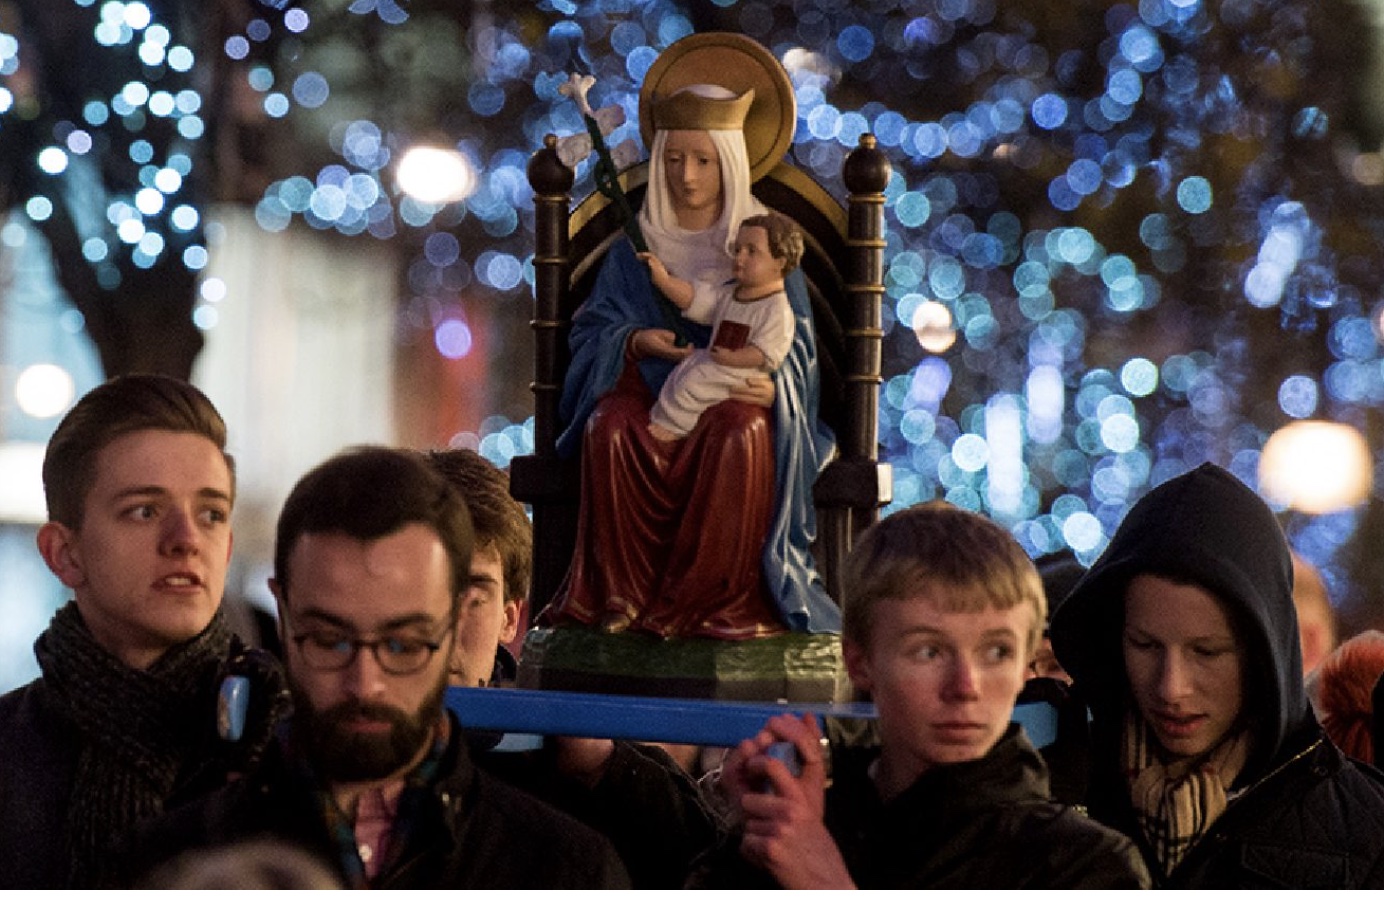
(791,667)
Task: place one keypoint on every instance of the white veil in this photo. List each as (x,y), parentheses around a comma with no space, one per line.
(704,254)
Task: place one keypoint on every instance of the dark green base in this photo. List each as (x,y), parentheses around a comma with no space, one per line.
(795,667)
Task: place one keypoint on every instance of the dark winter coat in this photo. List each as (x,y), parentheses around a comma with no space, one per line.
(1307,817)
(472,831)
(649,808)
(983,824)
(652,811)
(40,748)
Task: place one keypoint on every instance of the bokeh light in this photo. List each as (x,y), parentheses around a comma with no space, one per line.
(1316,467)
(1103,265)
(435,174)
(932,325)
(44,390)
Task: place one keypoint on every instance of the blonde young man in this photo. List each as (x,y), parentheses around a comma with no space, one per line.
(943,612)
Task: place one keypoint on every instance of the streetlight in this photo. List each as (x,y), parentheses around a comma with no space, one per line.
(433,174)
(1316,467)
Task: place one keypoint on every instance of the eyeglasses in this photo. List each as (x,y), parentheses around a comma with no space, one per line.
(326,650)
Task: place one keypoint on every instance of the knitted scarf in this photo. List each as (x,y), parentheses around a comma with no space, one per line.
(1175,802)
(144,732)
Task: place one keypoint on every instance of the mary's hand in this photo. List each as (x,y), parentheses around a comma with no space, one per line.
(758,390)
(658,343)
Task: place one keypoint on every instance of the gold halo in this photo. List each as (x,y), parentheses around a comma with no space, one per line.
(738,63)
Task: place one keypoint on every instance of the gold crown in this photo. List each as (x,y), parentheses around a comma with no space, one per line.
(687,111)
(739,64)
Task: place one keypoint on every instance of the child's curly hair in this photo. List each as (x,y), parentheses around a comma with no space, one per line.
(785,238)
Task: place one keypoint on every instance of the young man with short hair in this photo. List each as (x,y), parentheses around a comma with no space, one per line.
(123,723)
(1183,639)
(635,794)
(943,611)
(372,560)
(500,568)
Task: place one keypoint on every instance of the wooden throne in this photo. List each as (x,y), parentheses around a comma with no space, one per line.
(843,265)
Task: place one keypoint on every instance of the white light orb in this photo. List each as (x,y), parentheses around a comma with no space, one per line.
(1316,467)
(932,325)
(44,391)
(435,175)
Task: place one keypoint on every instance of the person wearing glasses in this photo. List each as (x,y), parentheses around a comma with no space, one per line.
(373,775)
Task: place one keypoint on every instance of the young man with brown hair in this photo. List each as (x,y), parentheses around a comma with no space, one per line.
(500,568)
(635,794)
(124,721)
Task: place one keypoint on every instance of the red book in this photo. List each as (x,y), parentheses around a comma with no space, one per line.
(731,335)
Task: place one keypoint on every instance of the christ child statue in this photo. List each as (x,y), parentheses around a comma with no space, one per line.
(751,319)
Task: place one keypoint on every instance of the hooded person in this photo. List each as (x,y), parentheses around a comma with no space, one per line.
(1183,639)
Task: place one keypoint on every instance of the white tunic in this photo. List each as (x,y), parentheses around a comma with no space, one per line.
(697,382)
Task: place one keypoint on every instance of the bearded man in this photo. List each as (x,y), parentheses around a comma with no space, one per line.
(372,557)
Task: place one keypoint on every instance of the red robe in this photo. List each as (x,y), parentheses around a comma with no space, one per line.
(670,536)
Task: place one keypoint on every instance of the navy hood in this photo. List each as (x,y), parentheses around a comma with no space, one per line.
(1208,528)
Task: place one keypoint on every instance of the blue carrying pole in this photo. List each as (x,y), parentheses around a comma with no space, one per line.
(658,719)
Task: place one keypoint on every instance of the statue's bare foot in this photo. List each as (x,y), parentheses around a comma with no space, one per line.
(613,622)
(662,434)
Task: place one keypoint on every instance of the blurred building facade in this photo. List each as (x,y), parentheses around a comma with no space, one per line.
(1124,238)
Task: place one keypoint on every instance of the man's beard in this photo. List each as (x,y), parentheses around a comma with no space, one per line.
(342,755)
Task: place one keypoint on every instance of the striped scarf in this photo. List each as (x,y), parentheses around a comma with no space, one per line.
(1176,802)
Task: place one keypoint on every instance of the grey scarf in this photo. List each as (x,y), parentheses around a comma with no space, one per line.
(146,733)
